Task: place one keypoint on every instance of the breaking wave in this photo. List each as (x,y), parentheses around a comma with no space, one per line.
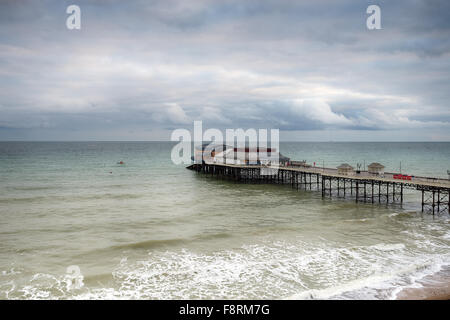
(277,270)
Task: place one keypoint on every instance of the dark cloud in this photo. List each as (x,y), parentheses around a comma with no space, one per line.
(138,69)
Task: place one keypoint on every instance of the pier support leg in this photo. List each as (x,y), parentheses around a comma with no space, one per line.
(330,187)
(379,192)
(372,190)
(344,187)
(365,192)
(423,199)
(387,192)
(401,193)
(433,205)
(439,201)
(323,186)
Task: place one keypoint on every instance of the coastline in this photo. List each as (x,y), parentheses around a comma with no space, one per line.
(433,287)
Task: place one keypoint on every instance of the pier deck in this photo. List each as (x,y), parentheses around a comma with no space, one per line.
(363,186)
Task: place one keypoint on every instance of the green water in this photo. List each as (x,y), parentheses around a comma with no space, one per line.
(151,229)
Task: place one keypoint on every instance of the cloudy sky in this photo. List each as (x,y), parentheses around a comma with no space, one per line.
(139,69)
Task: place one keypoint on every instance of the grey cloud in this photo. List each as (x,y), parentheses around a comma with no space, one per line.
(295,65)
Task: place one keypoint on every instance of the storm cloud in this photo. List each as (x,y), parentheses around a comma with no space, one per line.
(138,69)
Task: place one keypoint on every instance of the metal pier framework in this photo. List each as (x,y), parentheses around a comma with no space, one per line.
(371,189)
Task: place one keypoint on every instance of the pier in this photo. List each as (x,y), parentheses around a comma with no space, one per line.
(362,186)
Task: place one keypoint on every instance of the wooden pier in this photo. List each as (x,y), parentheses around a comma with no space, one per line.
(364,187)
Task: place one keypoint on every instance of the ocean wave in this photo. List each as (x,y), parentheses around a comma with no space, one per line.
(357,220)
(273,270)
(149,244)
(379,285)
(71,197)
(388,246)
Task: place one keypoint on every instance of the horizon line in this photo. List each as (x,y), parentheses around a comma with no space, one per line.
(307,141)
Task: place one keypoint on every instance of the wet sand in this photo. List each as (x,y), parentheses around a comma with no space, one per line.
(435,287)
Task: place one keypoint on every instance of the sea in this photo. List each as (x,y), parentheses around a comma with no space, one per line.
(77,224)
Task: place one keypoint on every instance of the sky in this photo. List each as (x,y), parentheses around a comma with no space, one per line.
(137,70)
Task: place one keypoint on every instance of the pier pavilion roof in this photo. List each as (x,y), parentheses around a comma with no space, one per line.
(375,165)
(345,166)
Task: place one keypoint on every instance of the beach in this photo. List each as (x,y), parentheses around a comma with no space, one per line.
(434,287)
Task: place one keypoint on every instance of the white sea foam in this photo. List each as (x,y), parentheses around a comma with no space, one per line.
(357,220)
(388,247)
(377,286)
(290,270)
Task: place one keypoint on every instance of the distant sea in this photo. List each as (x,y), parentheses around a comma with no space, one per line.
(149,229)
